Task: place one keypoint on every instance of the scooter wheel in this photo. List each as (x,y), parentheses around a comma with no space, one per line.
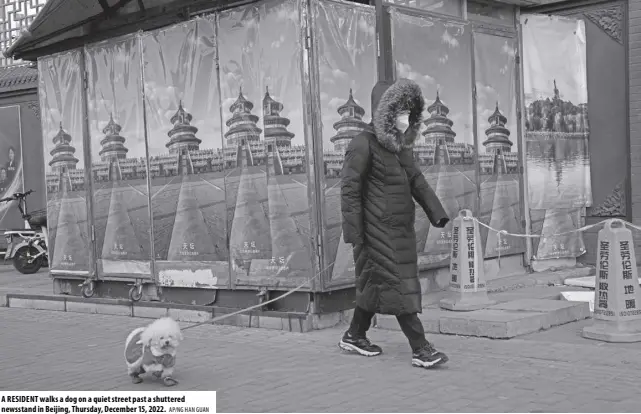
(88,290)
(135,293)
(21,260)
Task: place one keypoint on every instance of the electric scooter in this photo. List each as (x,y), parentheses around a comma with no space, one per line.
(27,248)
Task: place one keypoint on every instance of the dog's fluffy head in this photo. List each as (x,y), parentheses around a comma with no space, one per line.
(163,336)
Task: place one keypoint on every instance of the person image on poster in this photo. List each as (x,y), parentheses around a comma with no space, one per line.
(4,184)
(11,164)
(379,181)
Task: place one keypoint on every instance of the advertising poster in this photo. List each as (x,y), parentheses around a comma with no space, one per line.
(498,149)
(556,129)
(264,144)
(346,42)
(11,175)
(118,158)
(186,160)
(60,89)
(442,65)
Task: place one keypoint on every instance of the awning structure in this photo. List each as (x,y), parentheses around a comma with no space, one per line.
(62,20)
(65,19)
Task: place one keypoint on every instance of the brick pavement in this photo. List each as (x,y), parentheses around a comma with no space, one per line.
(257,370)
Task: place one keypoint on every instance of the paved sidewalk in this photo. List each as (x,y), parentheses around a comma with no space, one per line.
(257,370)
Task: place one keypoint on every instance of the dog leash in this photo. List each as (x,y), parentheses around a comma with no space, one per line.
(287,293)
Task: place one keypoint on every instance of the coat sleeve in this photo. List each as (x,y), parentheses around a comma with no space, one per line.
(422,192)
(353,176)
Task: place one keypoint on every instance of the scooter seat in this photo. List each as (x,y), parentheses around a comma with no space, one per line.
(37,221)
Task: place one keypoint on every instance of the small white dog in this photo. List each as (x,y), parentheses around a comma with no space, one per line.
(152,349)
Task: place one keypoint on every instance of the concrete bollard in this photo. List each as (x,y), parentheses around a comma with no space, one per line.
(617,299)
(467,287)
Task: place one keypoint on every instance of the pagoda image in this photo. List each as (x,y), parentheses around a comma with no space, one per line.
(499,194)
(242,130)
(286,199)
(182,139)
(113,148)
(120,240)
(190,239)
(453,184)
(350,124)
(250,234)
(276,133)
(498,141)
(70,239)
(63,159)
(438,130)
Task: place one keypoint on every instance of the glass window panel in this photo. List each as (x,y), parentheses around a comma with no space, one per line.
(186,158)
(346,42)
(118,158)
(498,152)
(60,89)
(265,145)
(442,66)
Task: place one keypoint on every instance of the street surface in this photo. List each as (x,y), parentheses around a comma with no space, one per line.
(259,370)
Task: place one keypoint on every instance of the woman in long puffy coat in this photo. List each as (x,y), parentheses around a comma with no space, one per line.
(380,182)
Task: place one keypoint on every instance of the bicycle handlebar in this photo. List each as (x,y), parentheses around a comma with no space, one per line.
(16,196)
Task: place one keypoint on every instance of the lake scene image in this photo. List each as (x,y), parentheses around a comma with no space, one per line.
(558,157)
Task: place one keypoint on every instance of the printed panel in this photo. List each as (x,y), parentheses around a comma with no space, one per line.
(186,157)
(442,66)
(60,89)
(346,40)
(11,170)
(556,131)
(265,146)
(498,150)
(122,226)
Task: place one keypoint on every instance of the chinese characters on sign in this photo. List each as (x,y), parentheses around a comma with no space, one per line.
(188,249)
(454,253)
(470,252)
(628,283)
(446,238)
(604,268)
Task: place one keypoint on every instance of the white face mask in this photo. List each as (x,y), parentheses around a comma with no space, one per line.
(403,121)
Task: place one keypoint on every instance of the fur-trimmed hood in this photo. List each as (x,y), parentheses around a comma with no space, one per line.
(388,100)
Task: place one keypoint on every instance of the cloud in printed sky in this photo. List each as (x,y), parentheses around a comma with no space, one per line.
(404,70)
(508,50)
(286,13)
(449,40)
(366,27)
(277,43)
